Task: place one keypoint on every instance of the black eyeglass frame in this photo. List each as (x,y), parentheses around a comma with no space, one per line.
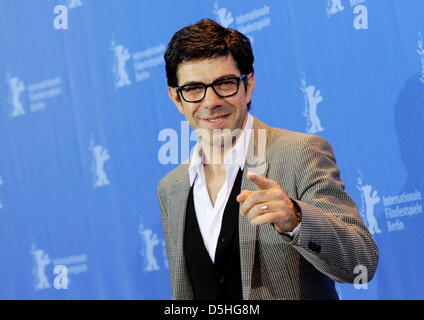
(206,86)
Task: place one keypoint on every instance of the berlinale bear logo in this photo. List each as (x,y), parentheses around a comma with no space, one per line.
(100,156)
(369,199)
(16,87)
(121,56)
(312,99)
(149,241)
(224,16)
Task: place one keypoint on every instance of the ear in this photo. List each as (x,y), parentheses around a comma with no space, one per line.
(251,81)
(174,96)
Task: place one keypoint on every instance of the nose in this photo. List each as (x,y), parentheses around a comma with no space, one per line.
(211,99)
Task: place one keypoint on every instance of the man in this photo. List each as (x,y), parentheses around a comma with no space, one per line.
(241,223)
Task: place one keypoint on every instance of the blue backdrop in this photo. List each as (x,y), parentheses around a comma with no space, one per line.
(87,129)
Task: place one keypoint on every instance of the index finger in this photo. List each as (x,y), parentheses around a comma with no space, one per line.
(261,181)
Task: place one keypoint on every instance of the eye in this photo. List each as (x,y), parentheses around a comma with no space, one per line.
(192,88)
(226,83)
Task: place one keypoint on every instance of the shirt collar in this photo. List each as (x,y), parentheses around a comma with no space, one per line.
(237,153)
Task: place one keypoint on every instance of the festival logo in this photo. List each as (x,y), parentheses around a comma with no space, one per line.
(38,94)
(401,207)
(73,4)
(41,260)
(121,56)
(312,98)
(143,63)
(420,52)
(397,208)
(99,155)
(16,88)
(149,240)
(334,6)
(247,23)
(224,17)
(369,198)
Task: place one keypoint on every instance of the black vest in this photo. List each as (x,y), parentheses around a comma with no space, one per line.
(222,279)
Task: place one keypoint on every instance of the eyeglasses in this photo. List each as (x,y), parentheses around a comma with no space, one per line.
(224,87)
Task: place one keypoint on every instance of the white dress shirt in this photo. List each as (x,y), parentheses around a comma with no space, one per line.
(209,217)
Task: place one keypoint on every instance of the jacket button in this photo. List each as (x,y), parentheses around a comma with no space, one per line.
(314,247)
(318,248)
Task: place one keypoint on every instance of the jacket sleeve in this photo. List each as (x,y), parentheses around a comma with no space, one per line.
(332,236)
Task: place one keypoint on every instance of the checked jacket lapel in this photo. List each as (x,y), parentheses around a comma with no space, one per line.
(255,162)
(178,199)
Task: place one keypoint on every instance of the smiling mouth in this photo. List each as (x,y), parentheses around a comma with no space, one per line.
(216,119)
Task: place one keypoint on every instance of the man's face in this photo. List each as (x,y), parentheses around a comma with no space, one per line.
(213,113)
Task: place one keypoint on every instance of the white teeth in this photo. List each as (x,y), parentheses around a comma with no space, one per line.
(217,119)
(214,120)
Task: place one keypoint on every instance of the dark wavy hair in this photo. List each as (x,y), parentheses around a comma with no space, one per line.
(207,39)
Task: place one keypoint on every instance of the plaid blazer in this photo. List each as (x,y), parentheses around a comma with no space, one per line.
(332,240)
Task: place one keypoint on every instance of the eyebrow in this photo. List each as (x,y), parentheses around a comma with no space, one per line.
(198,82)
